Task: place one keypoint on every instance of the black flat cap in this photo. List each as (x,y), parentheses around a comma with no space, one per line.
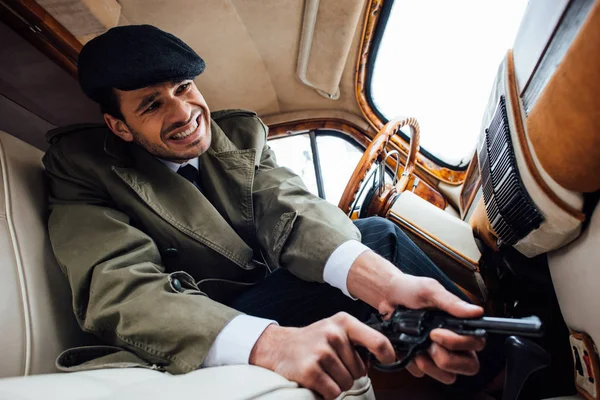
(132,57)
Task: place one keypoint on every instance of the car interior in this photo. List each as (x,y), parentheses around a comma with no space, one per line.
(480,139)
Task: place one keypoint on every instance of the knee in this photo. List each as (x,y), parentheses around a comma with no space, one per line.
(380,224)
(383,222)
(380,235)
(377,226)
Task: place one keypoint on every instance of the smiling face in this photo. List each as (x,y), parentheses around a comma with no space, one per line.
(170,120)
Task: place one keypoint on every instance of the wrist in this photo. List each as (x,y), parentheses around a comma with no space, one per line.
(371,278)
(262,352)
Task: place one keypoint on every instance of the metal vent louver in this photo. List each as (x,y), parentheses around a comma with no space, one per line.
(509,208)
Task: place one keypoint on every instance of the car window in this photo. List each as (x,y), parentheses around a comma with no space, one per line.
(294,152)
(330,159)
(338,158)
(435,61)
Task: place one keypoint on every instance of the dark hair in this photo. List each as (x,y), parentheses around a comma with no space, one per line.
(109,104)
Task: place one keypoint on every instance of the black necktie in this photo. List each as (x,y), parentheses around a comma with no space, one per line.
(190,173)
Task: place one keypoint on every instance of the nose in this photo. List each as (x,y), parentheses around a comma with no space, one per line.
(178,113)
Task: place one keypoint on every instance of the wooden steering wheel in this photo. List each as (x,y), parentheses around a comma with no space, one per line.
(377,151)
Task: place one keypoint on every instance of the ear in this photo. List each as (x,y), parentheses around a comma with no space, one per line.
(118,127)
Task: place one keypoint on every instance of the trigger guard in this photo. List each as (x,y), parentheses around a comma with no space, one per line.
(395,366)
(418,343)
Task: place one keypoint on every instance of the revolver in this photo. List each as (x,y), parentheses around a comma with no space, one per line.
(408,330)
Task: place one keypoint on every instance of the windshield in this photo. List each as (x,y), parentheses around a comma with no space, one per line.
(436,61)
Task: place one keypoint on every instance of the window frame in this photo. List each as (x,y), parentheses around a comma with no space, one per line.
(312,134)
(317,164)
(380,26)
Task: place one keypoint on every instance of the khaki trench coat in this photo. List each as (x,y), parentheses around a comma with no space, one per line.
(151,260)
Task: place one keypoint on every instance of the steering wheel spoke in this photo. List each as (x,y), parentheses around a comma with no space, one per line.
(377,150)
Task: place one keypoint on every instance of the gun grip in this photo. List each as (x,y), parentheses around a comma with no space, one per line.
(523,358)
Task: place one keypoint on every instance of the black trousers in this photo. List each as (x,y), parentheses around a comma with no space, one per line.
(293,302)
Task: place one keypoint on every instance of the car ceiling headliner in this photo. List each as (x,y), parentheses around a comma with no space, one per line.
(250,47)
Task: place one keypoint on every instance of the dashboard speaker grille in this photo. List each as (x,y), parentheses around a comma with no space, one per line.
(509,208)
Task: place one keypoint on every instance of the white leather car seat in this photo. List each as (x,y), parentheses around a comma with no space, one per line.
(576,280)
(37,323)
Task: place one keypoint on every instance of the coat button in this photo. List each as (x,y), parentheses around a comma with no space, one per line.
(171,253)
(177,284)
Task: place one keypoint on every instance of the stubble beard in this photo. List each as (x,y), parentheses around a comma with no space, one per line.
(160,152)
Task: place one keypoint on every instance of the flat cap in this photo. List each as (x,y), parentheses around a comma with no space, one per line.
(132,57)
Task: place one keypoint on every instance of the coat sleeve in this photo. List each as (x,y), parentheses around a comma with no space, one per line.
(121,291)
(298,229)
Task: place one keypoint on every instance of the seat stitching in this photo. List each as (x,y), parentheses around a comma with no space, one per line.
(18,261)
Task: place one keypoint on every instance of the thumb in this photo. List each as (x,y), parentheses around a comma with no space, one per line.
(435,295)
(446,301)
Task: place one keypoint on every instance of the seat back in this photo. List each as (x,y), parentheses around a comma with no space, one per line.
(562,129)
(576,279)
(36,318)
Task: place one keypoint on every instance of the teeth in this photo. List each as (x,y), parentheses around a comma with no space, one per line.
(184,134)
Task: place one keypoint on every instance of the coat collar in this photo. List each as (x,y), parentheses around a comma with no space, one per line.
(180,203)
(173,166)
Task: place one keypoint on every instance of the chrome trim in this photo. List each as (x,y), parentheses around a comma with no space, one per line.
(360,192)
(382,170)
(567,30)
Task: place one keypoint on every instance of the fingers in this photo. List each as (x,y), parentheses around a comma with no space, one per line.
(349,356)
(426,364)
(443,365)
(464,363)
(414,370)
(449,355)
(455,342)
(363,335)
(427,292)
(322,383)
(334,367)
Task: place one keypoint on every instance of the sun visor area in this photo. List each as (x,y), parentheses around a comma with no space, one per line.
(85,19)
(328,29)
(236,75)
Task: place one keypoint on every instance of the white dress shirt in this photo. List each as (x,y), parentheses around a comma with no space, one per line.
(234,343)
(173,166)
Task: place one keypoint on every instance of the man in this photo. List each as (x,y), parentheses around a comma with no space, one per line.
(186,245)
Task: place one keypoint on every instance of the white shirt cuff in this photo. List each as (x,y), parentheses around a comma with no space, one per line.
(234,343)
(338,265)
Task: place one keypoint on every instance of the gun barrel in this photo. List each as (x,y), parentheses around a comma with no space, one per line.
(529,326)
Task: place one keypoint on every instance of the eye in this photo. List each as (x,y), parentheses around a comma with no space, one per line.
(183,87)
(152,107)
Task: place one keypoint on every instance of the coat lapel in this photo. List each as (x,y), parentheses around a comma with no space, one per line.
(179,203)
(227,175)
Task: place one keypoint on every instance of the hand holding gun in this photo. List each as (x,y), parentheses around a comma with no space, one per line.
(408,330)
